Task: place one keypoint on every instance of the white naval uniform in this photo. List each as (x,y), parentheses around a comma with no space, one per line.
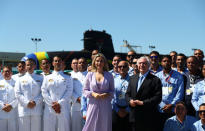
(17,76)
(1,77)
(57,87)
(76,115)
(7,96)
(28,88)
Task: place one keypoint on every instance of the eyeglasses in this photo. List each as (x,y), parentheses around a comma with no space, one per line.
(130,55)
(134,63)
(122,66)
(153,57)
(201,111)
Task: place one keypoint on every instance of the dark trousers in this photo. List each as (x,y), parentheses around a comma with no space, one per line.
(120,124)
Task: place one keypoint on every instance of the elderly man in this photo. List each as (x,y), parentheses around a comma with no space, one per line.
(120,113)
(57,89)
(181,121)
(28,93)
(144,93)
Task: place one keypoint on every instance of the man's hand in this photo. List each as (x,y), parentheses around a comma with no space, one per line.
(167,108)
(84,117)
(122,113)
(132,103)
(7,108)
(56,106)
(31,104)
(138,102)
(79,99)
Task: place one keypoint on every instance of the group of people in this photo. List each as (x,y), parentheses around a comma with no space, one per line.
(146,93)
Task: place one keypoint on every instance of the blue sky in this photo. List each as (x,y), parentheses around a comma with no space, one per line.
(167,24)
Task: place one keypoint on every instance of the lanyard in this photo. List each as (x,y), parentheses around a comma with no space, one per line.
(170,75)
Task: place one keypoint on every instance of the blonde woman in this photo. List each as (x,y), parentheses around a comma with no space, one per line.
(99,88)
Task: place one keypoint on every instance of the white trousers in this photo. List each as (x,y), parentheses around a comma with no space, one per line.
(8,125)
(76,120)
(56,123)
(30,123)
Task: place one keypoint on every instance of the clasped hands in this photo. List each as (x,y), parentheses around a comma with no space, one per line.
(134,103)
(7,107)
(56,106)
(31,104)
(100,96)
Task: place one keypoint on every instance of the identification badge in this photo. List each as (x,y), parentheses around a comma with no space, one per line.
(170,89)
(188,92)
(165,91)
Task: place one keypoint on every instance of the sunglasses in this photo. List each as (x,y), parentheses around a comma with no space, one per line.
(130,55)
(134,63)
(122,66)
(201,111)
(153,57)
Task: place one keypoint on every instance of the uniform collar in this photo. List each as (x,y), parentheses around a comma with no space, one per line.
(30,74)
(57,72)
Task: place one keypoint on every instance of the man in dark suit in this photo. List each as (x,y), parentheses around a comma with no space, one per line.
(144,93)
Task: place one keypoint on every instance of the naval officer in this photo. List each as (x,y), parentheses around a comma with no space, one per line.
(8,102)
(57,89)
(28,93)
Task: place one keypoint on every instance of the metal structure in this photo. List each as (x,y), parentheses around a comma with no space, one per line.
(151,47)
(131,47)
(36,40)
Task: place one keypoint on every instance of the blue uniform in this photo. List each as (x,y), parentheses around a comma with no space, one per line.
(121,86)
(158,70)
(172,88)
(198,126)
(172,124)
(114,74)
(131,71)
(84,103)
(198,96)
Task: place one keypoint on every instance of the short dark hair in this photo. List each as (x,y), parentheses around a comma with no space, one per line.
(31,60)
(166,56)
(180,102)
(154,52)
(21,62)
(58,57)
(173,52)
(203,104)
(7,66)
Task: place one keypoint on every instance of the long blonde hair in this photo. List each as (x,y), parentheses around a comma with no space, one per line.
(105,68)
